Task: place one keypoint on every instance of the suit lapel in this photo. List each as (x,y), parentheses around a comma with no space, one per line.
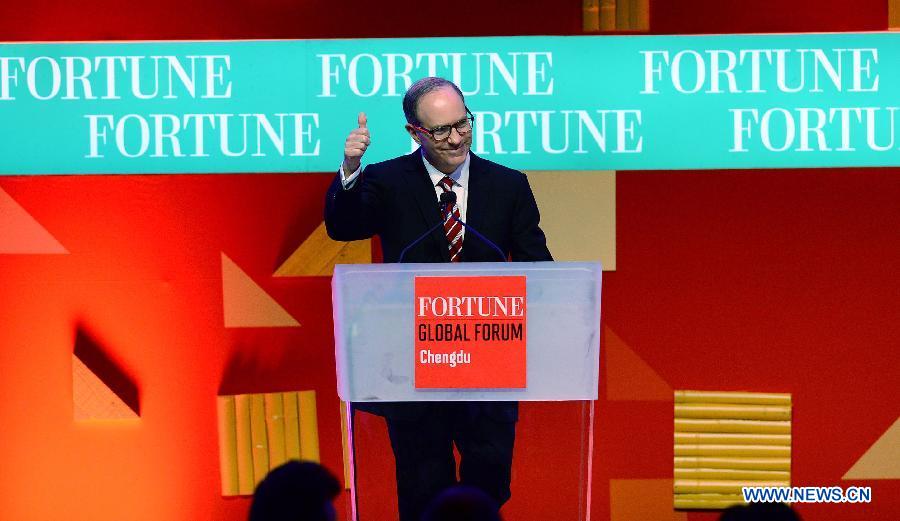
(423,193)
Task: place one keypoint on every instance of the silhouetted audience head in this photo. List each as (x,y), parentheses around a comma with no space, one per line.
(760,512)
(462,503)
(295,491)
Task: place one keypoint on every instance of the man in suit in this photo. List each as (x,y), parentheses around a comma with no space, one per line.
(398,200)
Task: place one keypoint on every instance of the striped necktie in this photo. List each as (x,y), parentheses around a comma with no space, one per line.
(452,227)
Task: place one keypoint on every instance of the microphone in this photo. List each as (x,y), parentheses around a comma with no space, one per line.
(446,204)
(448,199)
(477,233)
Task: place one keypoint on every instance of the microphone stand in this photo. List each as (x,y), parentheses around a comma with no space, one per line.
(448,199)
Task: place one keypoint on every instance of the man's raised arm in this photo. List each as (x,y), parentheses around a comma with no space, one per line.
(351,210)
(354,147)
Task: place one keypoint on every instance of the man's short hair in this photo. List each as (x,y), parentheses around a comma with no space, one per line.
(293,491)
(421,88)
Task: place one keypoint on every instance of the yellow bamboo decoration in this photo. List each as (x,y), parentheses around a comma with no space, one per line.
(755,451)
(725,441)
(709,503)
(724,425)
(717,438)
(309,426)
(743,475)
(640,15)
(893,15)
(274,404)
(623,14)
(721,486)
(258,432)
(259,436)
(590,15)
(711,496)
(246,483)
(733,463)
(729,411)
(709,397)
(608,14)
(228,466)
(291,426)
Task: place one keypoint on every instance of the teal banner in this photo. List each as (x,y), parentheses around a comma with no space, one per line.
(541,103)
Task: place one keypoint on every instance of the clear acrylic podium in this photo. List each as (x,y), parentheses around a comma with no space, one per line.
(374,329)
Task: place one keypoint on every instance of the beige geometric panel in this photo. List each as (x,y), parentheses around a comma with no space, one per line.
(245,304)
(628,376)
(578,214)
(642,500)
(92,399)
(318,254)
(21,233)
(882,460)
(728,440)
(258,432)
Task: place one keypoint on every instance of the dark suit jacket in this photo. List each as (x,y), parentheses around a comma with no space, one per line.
(396,200)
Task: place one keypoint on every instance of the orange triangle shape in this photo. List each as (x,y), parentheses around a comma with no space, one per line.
(881,460)
(628,377)
(248,305)
(21,233)
(319,253)
(92,399)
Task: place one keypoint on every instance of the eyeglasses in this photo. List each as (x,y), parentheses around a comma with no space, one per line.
(442,133)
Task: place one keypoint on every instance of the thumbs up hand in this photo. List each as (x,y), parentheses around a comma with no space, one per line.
(356,144)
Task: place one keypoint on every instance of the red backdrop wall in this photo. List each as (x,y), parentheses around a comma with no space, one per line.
(757,280)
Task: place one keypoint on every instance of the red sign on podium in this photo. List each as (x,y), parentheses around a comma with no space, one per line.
(470,332)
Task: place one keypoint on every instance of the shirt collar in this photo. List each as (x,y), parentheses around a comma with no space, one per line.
(460,176)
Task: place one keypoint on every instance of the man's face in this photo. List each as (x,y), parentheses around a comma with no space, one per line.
(440,107)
